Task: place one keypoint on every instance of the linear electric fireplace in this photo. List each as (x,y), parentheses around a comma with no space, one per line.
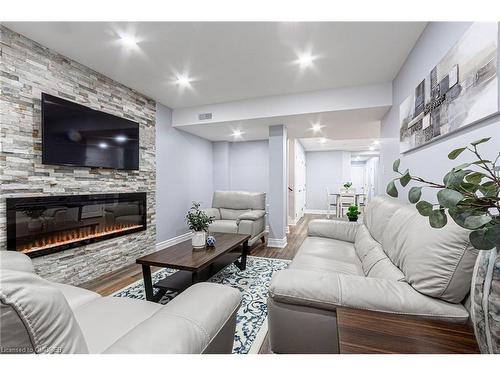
(42,225)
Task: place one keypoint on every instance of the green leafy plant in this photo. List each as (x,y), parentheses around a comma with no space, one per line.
(352,213)
(469,194)
(347,185)
(197,219)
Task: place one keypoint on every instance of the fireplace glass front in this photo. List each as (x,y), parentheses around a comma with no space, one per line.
(43,225)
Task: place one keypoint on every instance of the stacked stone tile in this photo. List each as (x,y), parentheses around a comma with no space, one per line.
(26,70)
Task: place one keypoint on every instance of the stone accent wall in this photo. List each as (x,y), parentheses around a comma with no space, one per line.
(26,70)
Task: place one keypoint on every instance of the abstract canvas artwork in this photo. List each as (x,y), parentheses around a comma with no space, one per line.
(460,90)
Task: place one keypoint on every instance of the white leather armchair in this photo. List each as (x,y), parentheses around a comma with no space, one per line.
(239,212)
(39,316)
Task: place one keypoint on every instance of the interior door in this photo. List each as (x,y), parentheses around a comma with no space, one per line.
(300,182)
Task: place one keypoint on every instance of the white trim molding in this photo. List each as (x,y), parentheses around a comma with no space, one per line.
(280,243)
(174,241)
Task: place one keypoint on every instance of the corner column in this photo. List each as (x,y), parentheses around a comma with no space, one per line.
(277,195)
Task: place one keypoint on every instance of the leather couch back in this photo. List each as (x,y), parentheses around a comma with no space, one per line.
(36,317)
(436,262)
(239,200)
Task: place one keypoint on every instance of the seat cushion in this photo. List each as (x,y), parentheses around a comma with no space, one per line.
(104,320)
(327,255)
(224,226)
(75,296)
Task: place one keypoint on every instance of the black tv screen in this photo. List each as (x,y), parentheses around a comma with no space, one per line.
(75,135)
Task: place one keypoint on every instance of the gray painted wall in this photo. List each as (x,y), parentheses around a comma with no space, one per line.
(431,161)
(184,172)
(324,169)
(241,165)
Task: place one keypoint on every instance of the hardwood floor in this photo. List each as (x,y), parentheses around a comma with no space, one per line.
(110,283)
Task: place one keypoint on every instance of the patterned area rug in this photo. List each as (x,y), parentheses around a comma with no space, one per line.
(251,319)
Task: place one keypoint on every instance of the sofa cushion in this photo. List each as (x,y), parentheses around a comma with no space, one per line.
(336,229)
(105,320)
(231,214)
(75,296)
(364,242)
(327,255)
(436,262)
(36,315)
(16,261)
(224,226)
(239,200)
(378,213)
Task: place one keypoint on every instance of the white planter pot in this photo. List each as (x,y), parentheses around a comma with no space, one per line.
(199,240)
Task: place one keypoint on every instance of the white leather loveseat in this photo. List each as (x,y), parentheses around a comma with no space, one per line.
(394,262)
(39,316)
(240,212)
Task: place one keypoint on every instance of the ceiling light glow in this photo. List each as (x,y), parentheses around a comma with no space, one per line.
(129,41)
(183,81)
(237,133)
(372,148)
(322,140)
(103,145)
(316,127)
(305,60)
(121,138)
(376,142)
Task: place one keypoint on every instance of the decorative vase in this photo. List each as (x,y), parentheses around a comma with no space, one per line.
(353,218)
(485,301)
(210,241)
(199,239)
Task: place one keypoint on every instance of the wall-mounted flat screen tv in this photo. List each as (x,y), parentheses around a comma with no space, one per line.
(75,135)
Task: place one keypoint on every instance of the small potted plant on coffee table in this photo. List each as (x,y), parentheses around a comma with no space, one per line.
(352,213)
(198,222)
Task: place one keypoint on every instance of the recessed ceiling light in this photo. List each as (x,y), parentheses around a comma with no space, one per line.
(376,142)
(237,133)
(372,148)
(183,81)
(103,145)
(121,138)
(322,140)
(316,127)
(357,158)
(305,60)
(129,40)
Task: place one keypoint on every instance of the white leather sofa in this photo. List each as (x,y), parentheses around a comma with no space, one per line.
(394,263)
(239,212)
(39,316)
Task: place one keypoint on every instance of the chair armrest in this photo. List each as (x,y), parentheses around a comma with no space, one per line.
(212,212)
(336,229)
(252,215)
(187,324)
(15,261)
(325,290)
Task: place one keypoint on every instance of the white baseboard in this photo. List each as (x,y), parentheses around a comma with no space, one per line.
(323,212)
(287,229)
(174,241)
(280,243)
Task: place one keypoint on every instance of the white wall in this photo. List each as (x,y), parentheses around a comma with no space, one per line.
(430,161)
(299,187)
(184,172)
(325,169)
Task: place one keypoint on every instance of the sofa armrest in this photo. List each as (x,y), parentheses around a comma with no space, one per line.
(336,229)
(252,215)
(328,291)
(212,212)
(188,324)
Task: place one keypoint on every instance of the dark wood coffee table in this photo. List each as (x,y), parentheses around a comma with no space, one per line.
(193,265)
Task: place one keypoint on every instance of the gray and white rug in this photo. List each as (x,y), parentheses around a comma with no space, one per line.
(251,319)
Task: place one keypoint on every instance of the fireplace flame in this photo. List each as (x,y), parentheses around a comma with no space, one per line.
(75,235)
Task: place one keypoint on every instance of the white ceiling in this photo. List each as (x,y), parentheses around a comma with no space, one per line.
(356,146)
(228,60)
(336,125)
